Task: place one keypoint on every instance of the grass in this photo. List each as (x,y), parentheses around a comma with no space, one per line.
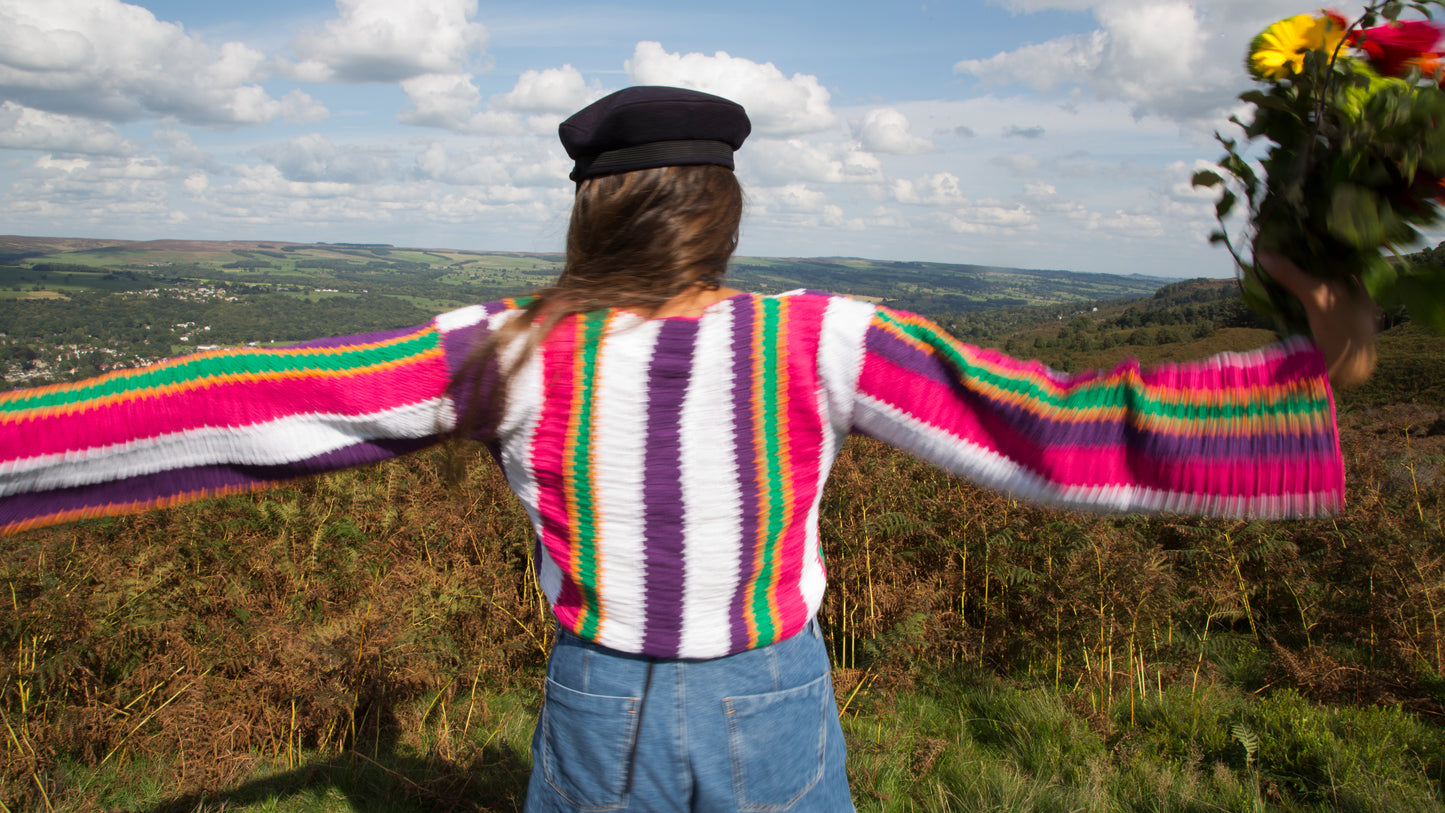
(960,740)
(971,742)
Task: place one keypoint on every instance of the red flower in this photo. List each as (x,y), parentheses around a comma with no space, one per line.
(1394,48)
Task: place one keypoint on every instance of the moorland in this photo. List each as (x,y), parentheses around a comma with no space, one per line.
(372,639)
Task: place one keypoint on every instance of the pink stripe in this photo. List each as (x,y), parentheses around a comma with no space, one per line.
(928,403)
(802,447)
(227,403)
(549,444)
(1274,368)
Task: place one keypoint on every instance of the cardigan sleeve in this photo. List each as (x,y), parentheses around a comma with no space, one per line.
(219,422)
(1237,434)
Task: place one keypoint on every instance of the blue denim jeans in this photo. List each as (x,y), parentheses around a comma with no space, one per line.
(757,731)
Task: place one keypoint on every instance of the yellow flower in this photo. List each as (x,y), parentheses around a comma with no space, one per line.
(1279,50)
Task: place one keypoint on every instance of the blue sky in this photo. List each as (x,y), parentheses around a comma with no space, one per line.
(1031,133)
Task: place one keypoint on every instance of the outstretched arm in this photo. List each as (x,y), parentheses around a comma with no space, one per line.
(217,422)
(1238,434)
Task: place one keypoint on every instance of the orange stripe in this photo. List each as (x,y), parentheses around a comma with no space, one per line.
(204,355)
(204,383)
(1121,377)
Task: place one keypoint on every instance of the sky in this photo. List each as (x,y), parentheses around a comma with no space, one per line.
(1055,134)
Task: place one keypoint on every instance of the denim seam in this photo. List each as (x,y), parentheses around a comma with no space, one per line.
(683,755)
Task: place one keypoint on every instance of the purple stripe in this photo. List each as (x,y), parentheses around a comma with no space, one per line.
(459,346)
(887,345)
(663,509)
(744,314)
(359,338)
(462,342)
(103,498)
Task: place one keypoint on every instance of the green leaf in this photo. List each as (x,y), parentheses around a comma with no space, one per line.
(1392,11)
(1354,216)
(1216,237)
(1226,202)
(1380,278)
(1206,178)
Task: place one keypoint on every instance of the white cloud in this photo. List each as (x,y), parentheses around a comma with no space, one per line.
(796,206)
(886,130)
(196,184)
(529,165)
(794,197)
(108,60)
(1124,224)
(990,217)
(1041,66)
(262,196)
(777,105)
(300,108)
(388,41)
(940,189)
(440,100)
(313,158)
(92,189)
(553,90)
(1018,164)
(181,151)
(437,163)
(22,128)
(779,162)
(449,102)
(1164,57)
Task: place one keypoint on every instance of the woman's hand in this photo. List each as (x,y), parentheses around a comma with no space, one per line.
(1341,316)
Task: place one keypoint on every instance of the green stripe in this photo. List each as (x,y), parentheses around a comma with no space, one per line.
(1111,394)
(585,521)
(772,520)
(202,368)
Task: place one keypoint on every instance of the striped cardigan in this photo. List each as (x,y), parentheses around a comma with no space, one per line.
(673,468)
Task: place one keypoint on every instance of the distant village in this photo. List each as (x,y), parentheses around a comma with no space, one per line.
(27,361)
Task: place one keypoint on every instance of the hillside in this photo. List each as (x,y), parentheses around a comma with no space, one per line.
(76,307)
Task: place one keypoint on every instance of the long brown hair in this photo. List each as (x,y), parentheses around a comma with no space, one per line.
(635,241)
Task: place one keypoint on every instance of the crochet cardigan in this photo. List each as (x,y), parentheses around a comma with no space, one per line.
(673,468)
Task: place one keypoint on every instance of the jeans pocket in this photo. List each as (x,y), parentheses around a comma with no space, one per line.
(777,741)
(587,744)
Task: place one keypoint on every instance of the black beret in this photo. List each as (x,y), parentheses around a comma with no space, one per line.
(646,127)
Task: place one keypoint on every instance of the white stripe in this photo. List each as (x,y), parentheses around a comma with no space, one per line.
(711,496)
(460,318)
(270,443)
(619,436)
(840,356)
(518,425)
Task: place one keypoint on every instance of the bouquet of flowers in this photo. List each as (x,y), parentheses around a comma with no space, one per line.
(1354,116)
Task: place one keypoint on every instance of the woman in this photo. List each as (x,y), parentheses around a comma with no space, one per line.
(670,437)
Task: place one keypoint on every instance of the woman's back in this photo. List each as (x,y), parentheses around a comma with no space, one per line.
(673,467)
